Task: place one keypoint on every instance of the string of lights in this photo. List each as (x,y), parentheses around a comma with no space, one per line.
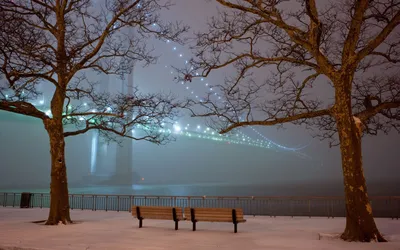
(194,131)
(245,137)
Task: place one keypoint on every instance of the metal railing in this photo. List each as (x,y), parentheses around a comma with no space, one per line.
(328,206)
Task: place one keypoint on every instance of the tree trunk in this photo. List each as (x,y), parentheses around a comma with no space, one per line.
(360,224)
(59,202)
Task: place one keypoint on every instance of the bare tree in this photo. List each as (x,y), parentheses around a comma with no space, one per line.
(354,45)
(61,42)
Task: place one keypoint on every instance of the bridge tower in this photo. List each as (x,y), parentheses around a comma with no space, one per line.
(120,156)
(123,161)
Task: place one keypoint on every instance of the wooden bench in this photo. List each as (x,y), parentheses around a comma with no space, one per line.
(158,213)
(215,215)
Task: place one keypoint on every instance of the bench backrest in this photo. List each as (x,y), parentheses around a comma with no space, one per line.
(161,213)
(214,214)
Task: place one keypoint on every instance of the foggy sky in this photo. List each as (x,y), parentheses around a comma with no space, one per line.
(24,149)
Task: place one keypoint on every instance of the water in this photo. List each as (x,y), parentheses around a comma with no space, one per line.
(218,189)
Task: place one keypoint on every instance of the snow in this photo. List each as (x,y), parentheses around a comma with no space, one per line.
(119,230)
(357,120)
(358,123)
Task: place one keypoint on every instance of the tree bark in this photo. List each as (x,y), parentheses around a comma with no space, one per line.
(360,224)
(59,200)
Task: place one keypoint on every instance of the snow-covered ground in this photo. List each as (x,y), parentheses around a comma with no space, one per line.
(119,230)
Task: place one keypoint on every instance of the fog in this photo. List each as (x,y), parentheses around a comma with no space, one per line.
(25,158)
(25,163)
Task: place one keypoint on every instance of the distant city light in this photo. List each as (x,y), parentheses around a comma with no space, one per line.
(177,128)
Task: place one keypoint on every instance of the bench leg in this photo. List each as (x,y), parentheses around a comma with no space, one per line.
(194,225)
(176,225)
(235,227)
(140,223)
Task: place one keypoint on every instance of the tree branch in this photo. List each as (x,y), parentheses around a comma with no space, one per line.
(276,121)
(100,40)
(370,112)
(378,40)
(353,34)
(92,114)
(23,108)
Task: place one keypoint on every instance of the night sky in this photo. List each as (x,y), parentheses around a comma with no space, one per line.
(24,146)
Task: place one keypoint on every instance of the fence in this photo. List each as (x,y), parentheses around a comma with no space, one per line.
(383,206)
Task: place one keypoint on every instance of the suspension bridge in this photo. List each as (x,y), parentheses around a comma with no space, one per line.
(178,129)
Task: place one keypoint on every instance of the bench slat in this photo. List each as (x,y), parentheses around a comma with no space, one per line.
(143,211)
(210,218)
(158,217)
(218,220)
(144,208)
(210,214)
(149,216)
(214,210)
(157,208)
(157,212)
(200,216)
(219,214)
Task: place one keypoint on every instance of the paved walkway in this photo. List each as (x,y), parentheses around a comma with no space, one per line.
(118,230)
